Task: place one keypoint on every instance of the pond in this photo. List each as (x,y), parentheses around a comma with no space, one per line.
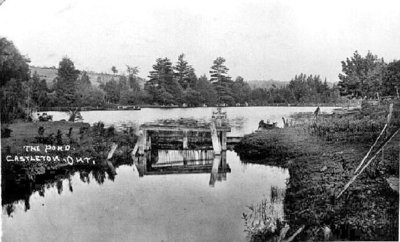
(243,120)
(154,207)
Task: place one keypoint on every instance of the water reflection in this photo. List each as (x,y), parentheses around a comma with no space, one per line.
(79,204)
(17,189)
(167,162)
(265,220)
(181,206)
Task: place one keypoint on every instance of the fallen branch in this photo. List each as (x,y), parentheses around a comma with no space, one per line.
(369,161)
(389,117)
(283,232)
(294,235)
(111,153)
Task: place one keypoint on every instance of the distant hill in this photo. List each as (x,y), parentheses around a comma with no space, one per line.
(266,84)
(47,73)
(50,73)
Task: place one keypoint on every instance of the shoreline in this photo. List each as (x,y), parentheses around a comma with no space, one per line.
(63,109)
(320,163)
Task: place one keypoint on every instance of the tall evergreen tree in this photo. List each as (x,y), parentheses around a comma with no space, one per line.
(183,72)
(221,81)
(162,86)
(66,84)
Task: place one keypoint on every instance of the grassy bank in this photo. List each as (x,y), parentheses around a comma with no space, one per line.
(45,152)
(321,157)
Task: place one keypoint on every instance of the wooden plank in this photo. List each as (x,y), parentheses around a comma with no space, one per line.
(215,141)
(192,163)
(194,170)
(182,128)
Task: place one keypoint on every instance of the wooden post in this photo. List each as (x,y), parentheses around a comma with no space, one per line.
(148,141)
(145,140)
(142,142)
(223,165)
(214,170)
(223,140)
(215,141)
(141,166)
(185,140)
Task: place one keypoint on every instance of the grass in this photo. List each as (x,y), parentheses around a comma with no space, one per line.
(85,141)
(321,158)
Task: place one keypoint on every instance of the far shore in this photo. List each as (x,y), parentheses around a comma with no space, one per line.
(44,109)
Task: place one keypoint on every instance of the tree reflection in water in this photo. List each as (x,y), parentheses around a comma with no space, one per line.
(16,190)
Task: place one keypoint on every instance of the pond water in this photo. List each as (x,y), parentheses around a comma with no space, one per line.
(243,120)
(154,207)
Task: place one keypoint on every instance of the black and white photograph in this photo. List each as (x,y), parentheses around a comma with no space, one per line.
(200,120)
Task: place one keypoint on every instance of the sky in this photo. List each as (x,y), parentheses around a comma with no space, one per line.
(260,39)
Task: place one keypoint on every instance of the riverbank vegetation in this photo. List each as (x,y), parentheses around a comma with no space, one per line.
(322,155)
(45,152)
(177,85)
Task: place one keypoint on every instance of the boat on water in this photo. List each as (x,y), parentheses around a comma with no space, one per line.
(129,108)
(265,126)
(44,117)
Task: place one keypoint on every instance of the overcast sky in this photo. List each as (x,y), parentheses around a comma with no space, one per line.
(263,39)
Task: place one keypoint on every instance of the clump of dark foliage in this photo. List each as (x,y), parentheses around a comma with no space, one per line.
(21,179)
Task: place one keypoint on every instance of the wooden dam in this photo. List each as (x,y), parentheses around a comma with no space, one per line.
(183,146)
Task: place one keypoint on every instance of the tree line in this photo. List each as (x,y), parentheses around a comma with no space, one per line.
(176,84)
(369,77)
